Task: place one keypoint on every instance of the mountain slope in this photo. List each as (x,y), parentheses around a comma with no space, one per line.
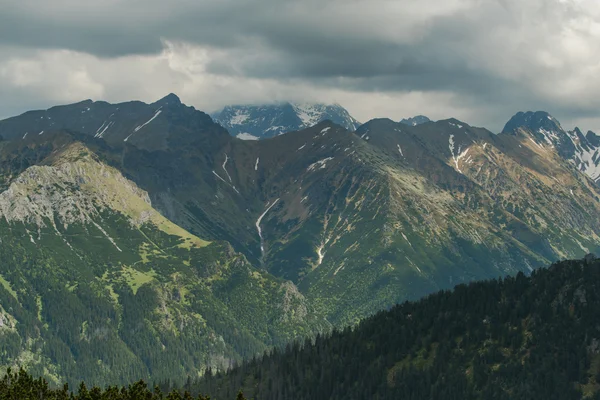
(96,285)
(359,221)
(392,213)
(516,338)
(265,121)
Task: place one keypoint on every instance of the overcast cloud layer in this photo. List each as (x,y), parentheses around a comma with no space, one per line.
(477,60)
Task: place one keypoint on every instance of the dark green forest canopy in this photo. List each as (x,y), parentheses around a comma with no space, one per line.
(519,337)
(22,386)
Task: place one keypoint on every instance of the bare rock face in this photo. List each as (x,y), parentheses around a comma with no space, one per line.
(76,189)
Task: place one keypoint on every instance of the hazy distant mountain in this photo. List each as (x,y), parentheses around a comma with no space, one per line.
(414,121)
(265,121)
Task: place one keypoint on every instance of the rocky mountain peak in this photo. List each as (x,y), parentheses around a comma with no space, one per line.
(254,122)
(533,121)
(544,130)
(593,138)
(170,99)
(416,120)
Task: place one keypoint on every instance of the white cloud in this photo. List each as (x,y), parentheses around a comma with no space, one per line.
(477,60)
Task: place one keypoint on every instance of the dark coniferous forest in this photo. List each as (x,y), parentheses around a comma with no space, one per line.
(518,337)
(515,338)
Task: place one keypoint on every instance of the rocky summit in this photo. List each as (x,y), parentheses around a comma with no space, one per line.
(545,131)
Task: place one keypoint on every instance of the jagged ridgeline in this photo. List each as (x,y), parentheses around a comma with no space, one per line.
(517,338)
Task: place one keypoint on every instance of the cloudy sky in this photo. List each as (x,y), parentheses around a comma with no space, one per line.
(477,60)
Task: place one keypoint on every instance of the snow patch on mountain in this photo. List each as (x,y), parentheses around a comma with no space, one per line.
(147,122)
(247,136)
(321,164)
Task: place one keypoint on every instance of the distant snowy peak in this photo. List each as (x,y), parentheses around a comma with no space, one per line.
(546,131)
(414,121)
(265,121)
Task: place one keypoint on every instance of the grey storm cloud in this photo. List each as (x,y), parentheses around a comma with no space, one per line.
(494,56)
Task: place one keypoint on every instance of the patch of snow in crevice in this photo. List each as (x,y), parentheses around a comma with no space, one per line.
(225,169)
(30,237)
(320,254)
(456,156)
(105,234)
(301,147)
(218,176)
(258,221)
(100,134)
(400,150)
(405,238)
(582,247)
(548,136)
(338,269)
(40,132)
(256,165)
(319,164)
(25,135)
(98,130)
(147,122)
(414,265)
(303,199)
(324,130)
(536,143)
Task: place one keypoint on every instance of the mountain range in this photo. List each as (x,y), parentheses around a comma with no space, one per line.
(151,227)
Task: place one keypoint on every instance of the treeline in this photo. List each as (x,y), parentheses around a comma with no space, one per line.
(22,386)
(515,338)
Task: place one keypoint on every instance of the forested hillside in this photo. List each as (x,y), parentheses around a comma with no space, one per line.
(519,337)
(22,386)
